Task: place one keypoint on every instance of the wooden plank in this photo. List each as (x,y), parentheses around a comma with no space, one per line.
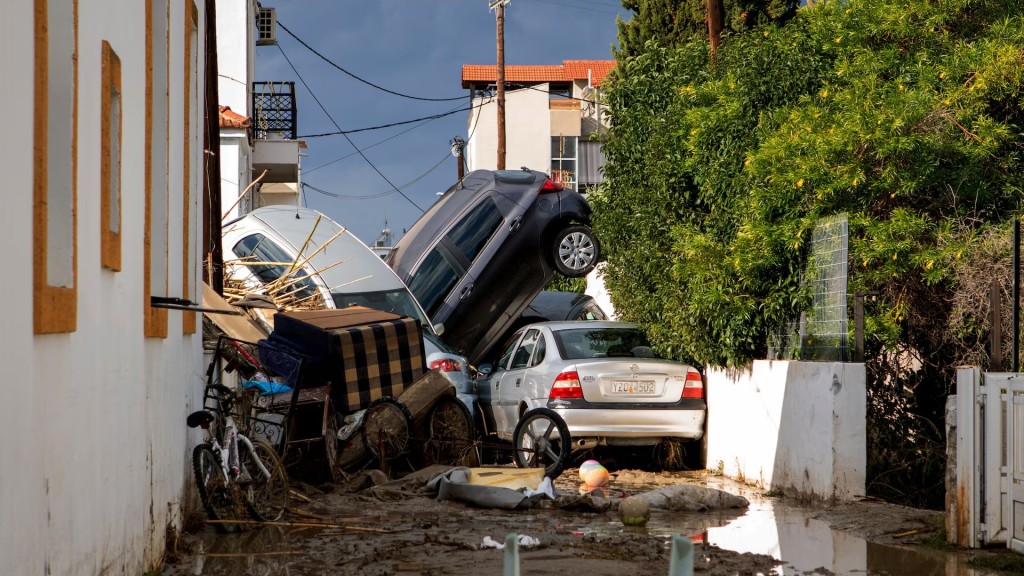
(421,396)
(237,327)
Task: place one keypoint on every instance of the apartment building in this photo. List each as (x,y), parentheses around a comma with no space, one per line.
(553,119)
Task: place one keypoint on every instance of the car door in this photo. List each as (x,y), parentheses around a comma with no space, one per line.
(489,389)
(517,380)
(468,310)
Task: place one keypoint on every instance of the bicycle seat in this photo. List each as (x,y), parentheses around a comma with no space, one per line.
(200,418)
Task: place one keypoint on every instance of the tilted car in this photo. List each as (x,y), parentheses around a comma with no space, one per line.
(601,378)
(481,253)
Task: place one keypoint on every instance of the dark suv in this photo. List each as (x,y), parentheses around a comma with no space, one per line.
(481,253)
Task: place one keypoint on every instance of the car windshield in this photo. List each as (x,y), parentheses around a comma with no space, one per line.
(398,301)
(580,343)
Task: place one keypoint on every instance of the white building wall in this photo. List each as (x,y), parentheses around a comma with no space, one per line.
(527,132)
(95,450)
(235,172)
(235,53)
(797,427)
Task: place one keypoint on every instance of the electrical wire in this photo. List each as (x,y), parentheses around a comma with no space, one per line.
(379,194)
(364,81)
(391,125)
(378,143)
(340,131)
(580,7)
(436,116)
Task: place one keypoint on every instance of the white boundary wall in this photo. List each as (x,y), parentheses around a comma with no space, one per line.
(795,427)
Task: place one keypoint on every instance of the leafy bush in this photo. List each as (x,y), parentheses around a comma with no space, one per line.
(907,116)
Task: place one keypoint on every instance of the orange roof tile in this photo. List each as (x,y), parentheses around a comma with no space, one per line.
(231,119)
(568,71)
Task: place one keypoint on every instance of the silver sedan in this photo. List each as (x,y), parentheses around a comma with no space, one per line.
(598,381)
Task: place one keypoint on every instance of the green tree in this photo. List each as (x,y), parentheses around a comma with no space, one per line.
(673,22)
(905,115)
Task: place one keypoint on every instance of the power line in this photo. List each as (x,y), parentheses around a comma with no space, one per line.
(391,125)
(378,143)
(378,194)
(364,81)
(580,7)
(436,116)
(340,131)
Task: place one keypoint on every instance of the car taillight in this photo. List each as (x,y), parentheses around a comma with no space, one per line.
(550,186)
(567,385)
(446,365)
(694,386)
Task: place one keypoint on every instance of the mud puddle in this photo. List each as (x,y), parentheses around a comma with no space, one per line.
(419,535)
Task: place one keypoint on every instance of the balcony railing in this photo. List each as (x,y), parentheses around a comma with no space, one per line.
(274,113)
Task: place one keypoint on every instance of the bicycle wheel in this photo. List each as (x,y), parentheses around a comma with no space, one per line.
(450,434)
(331,446)
(216,493)
(535,445)
(265,497)
(387,428)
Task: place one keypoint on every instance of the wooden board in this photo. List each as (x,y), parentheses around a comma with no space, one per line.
(237,327)
(421,396)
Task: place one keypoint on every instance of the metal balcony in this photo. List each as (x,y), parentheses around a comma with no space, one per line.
(273,110)
(274,123)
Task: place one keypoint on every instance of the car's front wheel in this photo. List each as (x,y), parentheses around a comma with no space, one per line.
(575,251)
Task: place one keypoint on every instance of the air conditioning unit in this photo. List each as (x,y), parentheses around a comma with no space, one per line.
(266,27)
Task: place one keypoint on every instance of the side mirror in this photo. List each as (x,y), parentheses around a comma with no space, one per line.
(438,328)
(485,369)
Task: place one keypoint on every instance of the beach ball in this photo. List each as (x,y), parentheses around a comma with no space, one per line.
(593,474)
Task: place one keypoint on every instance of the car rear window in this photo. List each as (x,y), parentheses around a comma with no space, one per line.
(433,281)
(580,343)
(471,234)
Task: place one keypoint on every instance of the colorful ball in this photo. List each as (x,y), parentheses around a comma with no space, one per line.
(594,475)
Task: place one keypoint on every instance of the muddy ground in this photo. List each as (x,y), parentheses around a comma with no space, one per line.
(387,531)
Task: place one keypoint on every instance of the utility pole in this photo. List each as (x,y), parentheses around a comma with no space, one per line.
(714,8)
(499,7)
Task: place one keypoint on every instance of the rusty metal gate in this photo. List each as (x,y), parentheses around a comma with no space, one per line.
(990,459)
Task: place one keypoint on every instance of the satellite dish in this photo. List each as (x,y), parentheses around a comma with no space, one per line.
(588,95)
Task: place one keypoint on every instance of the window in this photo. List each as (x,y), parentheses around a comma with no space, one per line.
(273,265)
(538,354)
(602,342)
(189,179)
(436,277)
(506,354)
(559,90)
(110,160)
(563,160)
(471,234)
(398,301)
(55,292)
(522,356)
(155,227)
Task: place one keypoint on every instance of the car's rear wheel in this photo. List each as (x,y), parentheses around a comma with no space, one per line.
(535,444)
(575,251)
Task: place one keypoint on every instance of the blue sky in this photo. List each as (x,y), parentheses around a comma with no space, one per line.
(415,47)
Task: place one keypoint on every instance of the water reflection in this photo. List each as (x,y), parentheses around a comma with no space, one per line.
(805,544)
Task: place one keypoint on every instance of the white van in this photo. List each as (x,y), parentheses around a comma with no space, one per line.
(335,269)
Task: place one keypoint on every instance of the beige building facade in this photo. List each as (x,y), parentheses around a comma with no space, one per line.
(553,119)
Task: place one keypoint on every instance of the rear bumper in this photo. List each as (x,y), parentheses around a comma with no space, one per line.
(595,423)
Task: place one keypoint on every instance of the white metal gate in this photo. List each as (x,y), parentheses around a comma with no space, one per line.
(990,459)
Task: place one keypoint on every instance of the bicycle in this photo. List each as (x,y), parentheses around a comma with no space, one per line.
(233,472)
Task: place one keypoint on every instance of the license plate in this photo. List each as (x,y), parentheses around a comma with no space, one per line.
(631,387)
